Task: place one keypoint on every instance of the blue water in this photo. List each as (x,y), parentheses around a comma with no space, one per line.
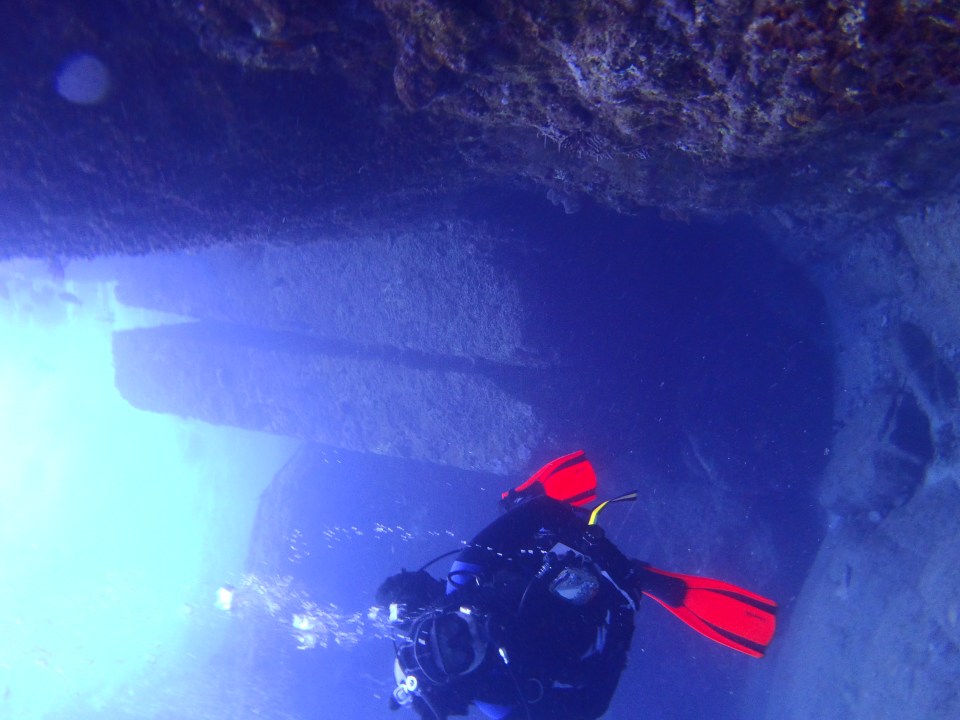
(694,367)
(117,524)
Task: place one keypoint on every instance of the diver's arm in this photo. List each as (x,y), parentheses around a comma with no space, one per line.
(626,574)
(588,697)
(635,577)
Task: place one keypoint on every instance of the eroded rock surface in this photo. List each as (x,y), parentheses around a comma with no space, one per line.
(287,386)
(682,105)
(874,633)
(433,290)
(233,120)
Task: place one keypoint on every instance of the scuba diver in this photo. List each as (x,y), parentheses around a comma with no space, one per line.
(535,616)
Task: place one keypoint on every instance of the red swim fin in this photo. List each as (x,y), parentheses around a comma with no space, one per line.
(728,614)
(570,479)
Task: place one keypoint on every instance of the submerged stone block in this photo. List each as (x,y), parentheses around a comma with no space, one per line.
(431,289)
(940,585)
(291,385)
(909,429)
(881,457)
(873,634)
(933,374)
(932,239)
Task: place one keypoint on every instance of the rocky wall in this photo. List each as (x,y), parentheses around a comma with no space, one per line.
(393,342)
(432,289)
(238,120)
(874,633)
(287,386)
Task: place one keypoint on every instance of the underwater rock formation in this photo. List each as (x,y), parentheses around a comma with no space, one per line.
(392,343)
(274,122)
(681,105)
(232,120)
(875,627)
(930,236)
(875,631)
(431,289)
(287,386)
(881,457)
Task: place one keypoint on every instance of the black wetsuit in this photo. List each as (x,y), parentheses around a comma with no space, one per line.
(549,656)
